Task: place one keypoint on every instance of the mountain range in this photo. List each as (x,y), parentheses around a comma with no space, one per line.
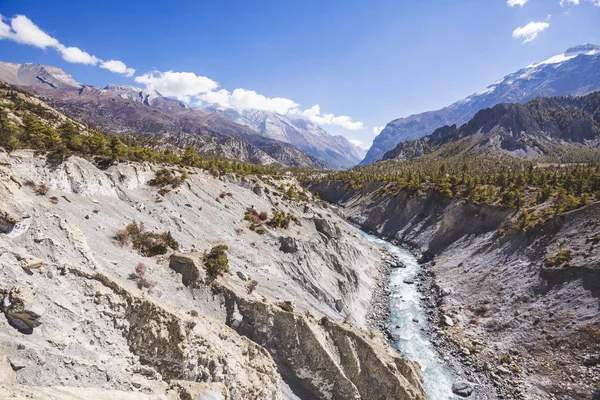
(248,135)
(563,129)
(337,151)
(575,72)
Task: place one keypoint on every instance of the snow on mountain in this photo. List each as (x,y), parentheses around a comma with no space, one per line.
(337,151)
(574,72)
(145,96)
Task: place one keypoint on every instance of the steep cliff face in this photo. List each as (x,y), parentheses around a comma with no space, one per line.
(110,326)
(552,127)
(529,320)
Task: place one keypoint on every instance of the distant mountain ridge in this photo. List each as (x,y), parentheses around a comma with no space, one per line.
(128,110)
(565,129)
(575,72)
(337,151)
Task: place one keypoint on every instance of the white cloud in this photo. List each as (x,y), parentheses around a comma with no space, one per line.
(23,30)
(530,31)
(577,2)
(77,56)
(313,114)
(512,3)
(377,130)
(26,32)
(242,99)
(358,143)
(118,67)
(177,84)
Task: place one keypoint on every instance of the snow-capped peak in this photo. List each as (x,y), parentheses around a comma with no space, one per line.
(585,49)
(133,92)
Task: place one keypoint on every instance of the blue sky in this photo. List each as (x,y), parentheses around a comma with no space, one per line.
(363,63)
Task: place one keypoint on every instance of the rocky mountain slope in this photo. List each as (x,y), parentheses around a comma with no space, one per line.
(502,303)
(337,151)
(557,128)
(116,110)
(116,323)
(576,72)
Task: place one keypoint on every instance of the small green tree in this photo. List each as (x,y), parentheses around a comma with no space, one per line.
(216,261)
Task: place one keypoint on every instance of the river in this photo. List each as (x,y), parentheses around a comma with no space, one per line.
(414,343)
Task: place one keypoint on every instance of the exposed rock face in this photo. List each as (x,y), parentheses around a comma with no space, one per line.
(331,361)
(288,244)
(499,293)
(336,151)
(190,266)
(550,127)
(327,229)
(103,334)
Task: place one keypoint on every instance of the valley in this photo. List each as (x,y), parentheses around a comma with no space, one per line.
(164,247)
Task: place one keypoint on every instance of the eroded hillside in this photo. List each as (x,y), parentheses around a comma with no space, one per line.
(514,301)
(86,314)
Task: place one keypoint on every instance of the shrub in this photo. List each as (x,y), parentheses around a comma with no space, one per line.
(54,200)
(563,257)
(140,277)
(252,216)
(164,178)
(263,215)
(148,244)
(216,261)
(278,220)
(42,189)
(222,195)
(286,306)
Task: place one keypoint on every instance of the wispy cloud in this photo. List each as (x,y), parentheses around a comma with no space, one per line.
(530,31)
(377,130)
(577,2)
(512,3)
(22,30)
(358,143)
(118,67)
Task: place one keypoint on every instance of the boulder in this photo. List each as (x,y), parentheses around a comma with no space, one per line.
(257,190)
(200,390)
(190,266)
(242,276)
(462,388)
(7,221)
(448,321)
(288,245)
(328,229)
(339,305)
